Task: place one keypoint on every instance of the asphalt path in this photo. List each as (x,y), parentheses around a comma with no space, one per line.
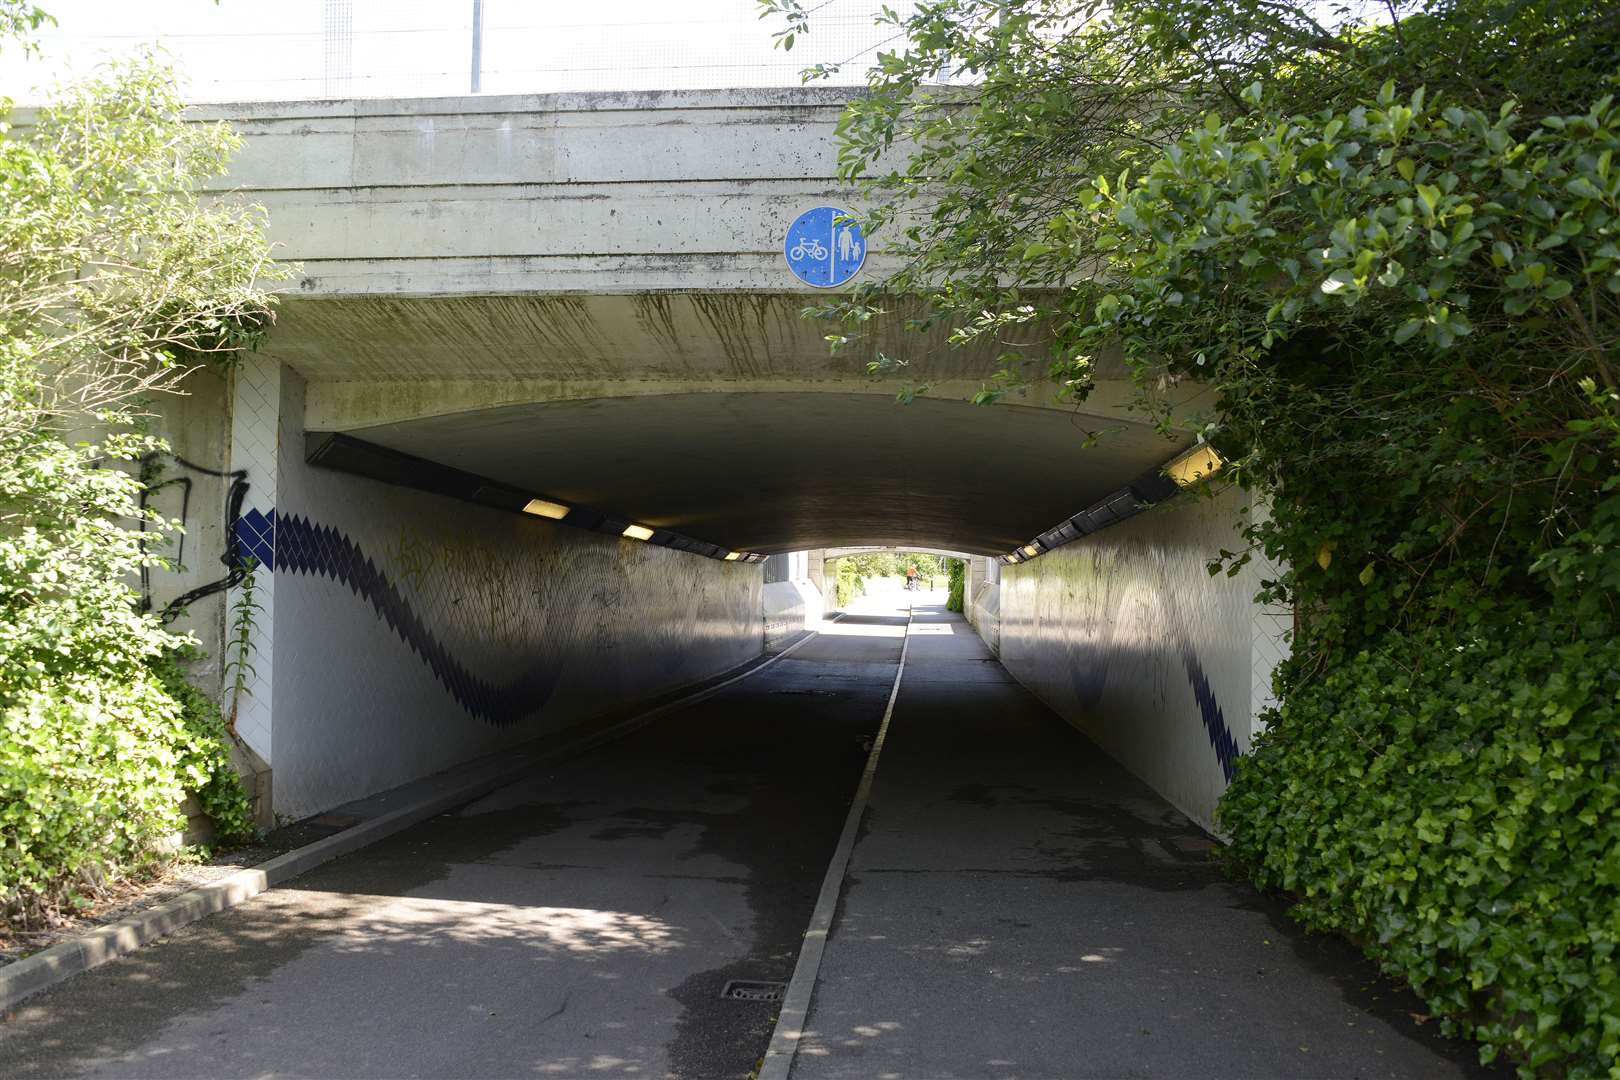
(1020,906)
(1016,905)
(581,922)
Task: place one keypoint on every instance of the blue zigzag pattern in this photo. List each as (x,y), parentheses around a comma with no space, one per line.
(1090,681)
(1220,736)
(303,547)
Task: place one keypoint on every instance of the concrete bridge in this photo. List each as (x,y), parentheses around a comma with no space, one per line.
(541,451)
(578,305)
(538,290)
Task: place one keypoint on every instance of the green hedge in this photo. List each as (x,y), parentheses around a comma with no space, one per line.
(94,766)
(105,234)
(847,583)
(205,756)
(1453,802)
(958,580)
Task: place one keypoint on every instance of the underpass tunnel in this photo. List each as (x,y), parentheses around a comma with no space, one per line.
(458,583)
(541,432)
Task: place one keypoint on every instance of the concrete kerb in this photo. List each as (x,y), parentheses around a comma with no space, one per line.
(46,968)
(801,987)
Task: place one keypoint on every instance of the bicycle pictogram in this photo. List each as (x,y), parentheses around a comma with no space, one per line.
(807,248)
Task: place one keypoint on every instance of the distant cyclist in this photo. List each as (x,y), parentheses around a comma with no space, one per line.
(911,576)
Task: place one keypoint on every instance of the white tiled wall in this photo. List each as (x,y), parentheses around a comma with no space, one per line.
(399,595)
(255,428)
(1127,636)
(1273,628)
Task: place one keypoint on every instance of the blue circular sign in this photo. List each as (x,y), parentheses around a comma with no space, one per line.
(824,248)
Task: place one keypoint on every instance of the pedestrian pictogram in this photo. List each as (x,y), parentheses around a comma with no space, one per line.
(824,247)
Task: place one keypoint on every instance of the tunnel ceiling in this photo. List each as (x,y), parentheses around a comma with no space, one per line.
(774,472)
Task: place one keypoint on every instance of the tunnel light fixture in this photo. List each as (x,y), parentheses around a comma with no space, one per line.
(1151,488)
(1196,464)
(347,454)
(637,532)
(546,508)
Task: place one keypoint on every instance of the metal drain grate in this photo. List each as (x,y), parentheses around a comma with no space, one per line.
(753,990)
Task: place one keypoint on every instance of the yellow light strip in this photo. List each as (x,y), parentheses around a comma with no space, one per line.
(637,532)
(733,556)
(1031,550)
(1194,465)
(546,508)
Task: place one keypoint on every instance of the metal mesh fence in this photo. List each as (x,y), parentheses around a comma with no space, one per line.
(417,48)
(707,45)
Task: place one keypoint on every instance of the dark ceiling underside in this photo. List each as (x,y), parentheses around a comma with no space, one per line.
(781,472)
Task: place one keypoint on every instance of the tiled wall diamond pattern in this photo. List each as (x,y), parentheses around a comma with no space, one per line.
(414,632)
(308,548)
(256,538)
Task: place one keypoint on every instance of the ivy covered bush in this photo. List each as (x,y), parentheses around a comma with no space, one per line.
(1451,801)
(117,281)
(1390,246)
(1420,372)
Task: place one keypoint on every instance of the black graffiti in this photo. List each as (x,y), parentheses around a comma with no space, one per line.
(235,565)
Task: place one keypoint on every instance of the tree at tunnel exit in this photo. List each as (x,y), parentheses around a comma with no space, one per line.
(1389,243)
(852,573)
(117,281)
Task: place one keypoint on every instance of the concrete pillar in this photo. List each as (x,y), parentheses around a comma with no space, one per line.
(816,569)
(255,441)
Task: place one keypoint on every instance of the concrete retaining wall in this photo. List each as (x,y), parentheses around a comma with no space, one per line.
(792,600)
(790,608)
(982,608)
(193,488)
(412,632)
(1126,635)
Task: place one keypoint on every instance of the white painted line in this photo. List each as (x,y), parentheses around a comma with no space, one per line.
(796,1000)
(710,691)
(48,967)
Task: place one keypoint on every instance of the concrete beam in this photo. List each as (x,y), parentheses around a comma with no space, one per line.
(540,193)
(843,552)
(381,360)
(584,295)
